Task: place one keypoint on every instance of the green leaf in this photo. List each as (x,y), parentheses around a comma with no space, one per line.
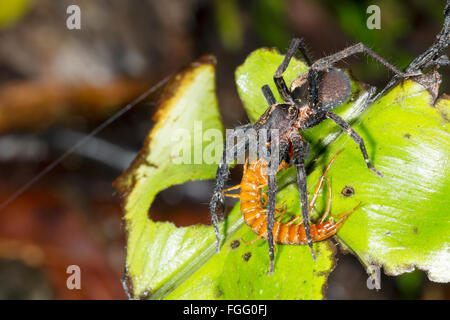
(12,11)
(229,26)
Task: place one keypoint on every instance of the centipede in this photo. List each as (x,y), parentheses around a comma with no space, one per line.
(254,209)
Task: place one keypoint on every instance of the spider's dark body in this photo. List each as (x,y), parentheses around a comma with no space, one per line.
(307,103)
(298,114)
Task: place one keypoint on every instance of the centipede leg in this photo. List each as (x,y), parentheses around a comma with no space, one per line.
(278,151)
(313,200)
(295,221)
(346,215)
(281,216)
(335,227)
(301,148)
(253,241)
(231,195)
(232,188)
(317,190)
(327,211)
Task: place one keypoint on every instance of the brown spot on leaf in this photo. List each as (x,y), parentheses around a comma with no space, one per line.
(247,256)
(219,293)
(235,244)
(348,191)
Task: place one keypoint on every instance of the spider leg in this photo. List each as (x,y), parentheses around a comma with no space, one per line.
(327,62)
(442,61)
(217,198)
(313,89)
(265,197)
(301,149)
(253,241)
(278,151)
(312,203)
(271,217)
(296,43)
(352,133)
(268,94)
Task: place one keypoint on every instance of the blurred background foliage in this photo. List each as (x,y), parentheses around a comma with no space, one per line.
(12,11)
(56,85)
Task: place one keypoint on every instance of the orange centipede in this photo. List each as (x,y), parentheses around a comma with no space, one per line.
(253,201)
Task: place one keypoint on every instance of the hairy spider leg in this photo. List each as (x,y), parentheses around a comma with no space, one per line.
(271,217)
(300,146)
(232,195)
(300,150)
(281,144)
(268,94)
(352,133)
(317,190)
(296,43)
(222,174)
(327,62)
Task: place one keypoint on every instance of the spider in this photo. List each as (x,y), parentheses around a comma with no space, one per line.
(308,102)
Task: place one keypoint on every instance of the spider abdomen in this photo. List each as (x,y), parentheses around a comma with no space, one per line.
(334,88)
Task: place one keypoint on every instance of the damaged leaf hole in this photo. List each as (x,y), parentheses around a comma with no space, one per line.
(348,191)
(247,256)
(183,204)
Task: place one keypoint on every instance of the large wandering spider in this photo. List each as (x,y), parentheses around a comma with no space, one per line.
(307,103)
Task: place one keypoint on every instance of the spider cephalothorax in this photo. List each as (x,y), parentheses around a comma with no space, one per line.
(308,102)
